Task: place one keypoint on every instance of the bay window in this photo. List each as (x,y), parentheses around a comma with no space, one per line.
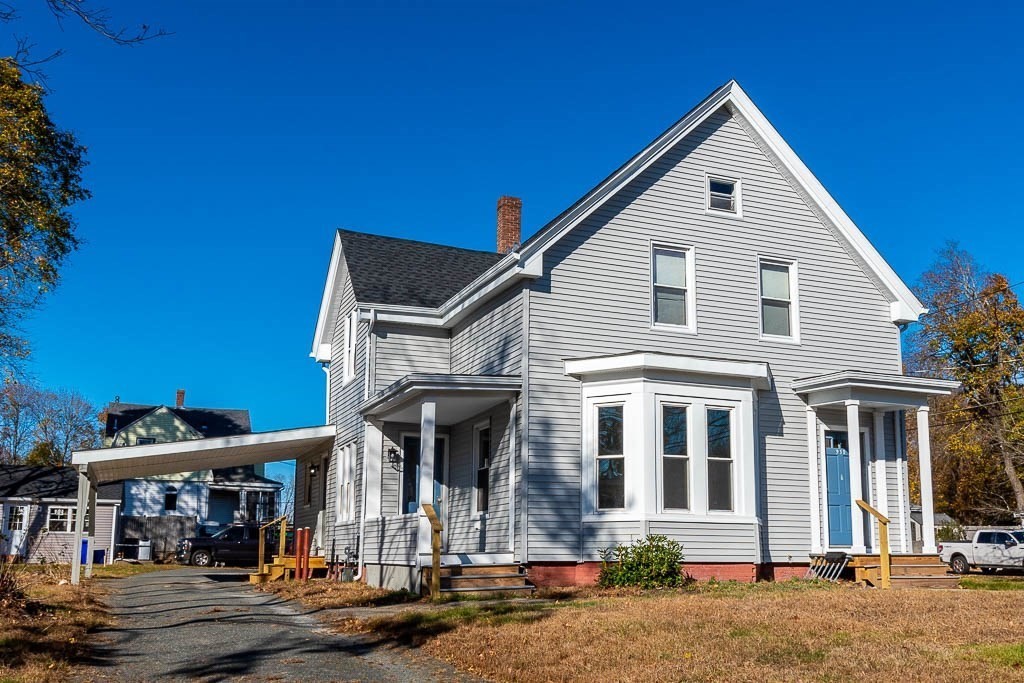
(675,460)
(611,461)
(719,433)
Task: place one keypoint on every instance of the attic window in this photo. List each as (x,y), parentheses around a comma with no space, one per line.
(723,195)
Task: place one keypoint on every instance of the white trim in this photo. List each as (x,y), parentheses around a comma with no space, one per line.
(813,478)
(689,287)
(758,373)
(901,490)
(513,414)
(872,380)
(470,559)
(321,350)
(794,300)
(661,402)
(737,195)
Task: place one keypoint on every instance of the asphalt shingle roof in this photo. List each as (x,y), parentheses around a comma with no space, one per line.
(391,270)
(28,481)
(207,421)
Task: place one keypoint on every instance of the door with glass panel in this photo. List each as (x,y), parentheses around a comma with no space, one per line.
(15,521)
(411,477)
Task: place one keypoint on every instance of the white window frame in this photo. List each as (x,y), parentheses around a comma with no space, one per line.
(661,455)
(690,299)
(794,300)
(737,195)
(477,428)
(16,513)
(642,399)
(708,407)
(72,517)
(344,502)
(348,363)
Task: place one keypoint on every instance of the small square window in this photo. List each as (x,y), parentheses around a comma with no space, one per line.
(723,195)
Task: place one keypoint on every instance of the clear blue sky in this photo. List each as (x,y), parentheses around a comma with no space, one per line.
(223,156)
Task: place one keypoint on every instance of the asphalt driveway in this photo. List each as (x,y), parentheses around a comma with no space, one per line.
(209,625)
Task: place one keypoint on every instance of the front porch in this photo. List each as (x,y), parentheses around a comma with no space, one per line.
(856,445)
(448,441)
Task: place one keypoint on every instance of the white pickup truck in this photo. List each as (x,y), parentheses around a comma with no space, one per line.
(991,549)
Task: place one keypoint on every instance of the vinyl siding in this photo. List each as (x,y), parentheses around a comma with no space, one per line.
(490,342)
(43,546)
(145,498)
(594,299)
(391,540)
(400,350)
(161,424)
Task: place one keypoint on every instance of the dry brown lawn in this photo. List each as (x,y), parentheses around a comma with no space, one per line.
(323,594)
(795,631)
(44,632)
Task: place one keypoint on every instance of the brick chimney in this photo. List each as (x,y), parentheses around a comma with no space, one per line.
(179,399)
(510,219)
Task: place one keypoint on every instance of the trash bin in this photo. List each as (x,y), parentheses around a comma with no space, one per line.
(99,556)
(84,555)
(145,550)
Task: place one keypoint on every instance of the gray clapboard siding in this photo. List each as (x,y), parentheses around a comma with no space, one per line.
(467,533)
(401,350)
(391,540)
(490,341)
(609,253)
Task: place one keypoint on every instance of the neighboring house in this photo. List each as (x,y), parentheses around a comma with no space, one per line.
(38,507)
(184,500)
(684,351)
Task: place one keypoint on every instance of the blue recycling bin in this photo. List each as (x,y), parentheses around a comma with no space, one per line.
(99,556)
(84,554)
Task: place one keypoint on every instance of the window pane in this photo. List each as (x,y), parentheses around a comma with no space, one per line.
(722,202)
(609,430)
(484,448)
(670,268)
(611,483)
(673,430)
(722,187)
(775,318)
(482,485)
(775,281)
(676,485)
(669,306)
(719,434)
(719,485)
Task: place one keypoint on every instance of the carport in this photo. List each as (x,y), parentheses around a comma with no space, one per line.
(103,465)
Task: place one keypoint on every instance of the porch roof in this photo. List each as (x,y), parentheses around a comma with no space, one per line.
(136,462)
(872,390)
(458,397)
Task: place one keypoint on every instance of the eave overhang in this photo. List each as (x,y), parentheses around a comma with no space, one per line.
(457,397)
(711,370)
(871,390)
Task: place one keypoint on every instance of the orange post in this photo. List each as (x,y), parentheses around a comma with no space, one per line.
(299,533)
(307,546)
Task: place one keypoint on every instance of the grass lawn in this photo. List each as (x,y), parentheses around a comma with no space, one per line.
(45,626)
(793,631)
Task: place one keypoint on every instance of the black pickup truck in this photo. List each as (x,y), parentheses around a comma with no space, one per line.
(236,545)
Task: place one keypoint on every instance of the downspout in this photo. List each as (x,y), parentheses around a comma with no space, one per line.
(366,394)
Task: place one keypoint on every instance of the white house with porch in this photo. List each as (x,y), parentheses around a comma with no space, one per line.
(663,357)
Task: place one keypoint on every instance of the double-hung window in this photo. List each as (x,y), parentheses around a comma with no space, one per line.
(483,467)
(777,286)
(611,459)
(720,459)
(671,286)
(723,195)
(61,519)
(675,457)
(170,499)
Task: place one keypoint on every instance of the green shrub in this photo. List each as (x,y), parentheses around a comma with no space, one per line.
(651,562)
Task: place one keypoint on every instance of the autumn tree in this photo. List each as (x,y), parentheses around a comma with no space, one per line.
(973,334)
(65,422)
(17,420)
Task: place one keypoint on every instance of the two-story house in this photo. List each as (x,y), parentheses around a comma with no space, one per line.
(685,351)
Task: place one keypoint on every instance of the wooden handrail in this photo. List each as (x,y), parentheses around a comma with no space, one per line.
(883,542)
(435,550)
(283,519)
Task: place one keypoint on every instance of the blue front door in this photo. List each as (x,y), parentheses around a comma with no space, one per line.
(837,474)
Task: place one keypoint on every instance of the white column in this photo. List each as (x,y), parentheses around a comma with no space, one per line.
(83,501)
(881,465)
(812,479)
(373,444)
(924,454)
(856,485)
(91,530)
(428,412)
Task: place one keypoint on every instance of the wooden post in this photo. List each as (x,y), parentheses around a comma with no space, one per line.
(298,553)
(883,541)
(435,551)
(281,545)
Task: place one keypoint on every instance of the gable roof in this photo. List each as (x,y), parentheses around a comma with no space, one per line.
(28,481)
(402,272)
(527,260)
(209,422)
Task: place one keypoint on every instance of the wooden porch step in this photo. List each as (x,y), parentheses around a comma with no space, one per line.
(490,591)
(477,570)
(482,580)
(288,561)
(894,560)
(943,581)
(909,569)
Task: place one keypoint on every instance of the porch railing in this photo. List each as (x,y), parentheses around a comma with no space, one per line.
(283,521)
(885,561)
(435,551)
